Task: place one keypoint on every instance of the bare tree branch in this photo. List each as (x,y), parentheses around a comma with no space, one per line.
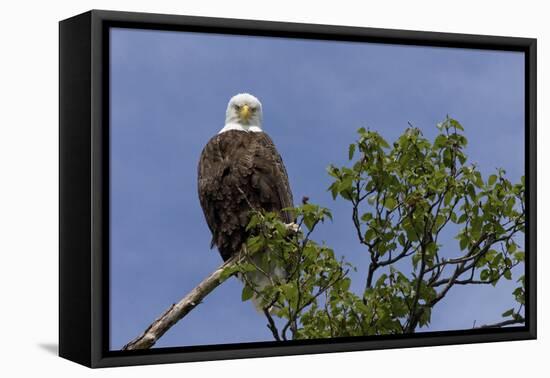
(179,310)
(504,323)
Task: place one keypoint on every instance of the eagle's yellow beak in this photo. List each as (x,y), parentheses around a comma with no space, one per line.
(244,112)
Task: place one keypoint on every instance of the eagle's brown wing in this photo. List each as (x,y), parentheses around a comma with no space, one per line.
(278,177)
(209,174)
(239,171)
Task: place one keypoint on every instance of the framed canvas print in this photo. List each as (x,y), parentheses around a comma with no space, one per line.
(234,188)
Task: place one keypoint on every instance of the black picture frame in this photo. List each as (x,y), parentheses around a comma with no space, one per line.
(84,186)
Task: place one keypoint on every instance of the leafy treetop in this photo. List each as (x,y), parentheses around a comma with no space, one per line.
(402,198)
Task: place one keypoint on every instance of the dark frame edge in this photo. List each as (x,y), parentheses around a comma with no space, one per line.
(313,31)
(100,171)
(75,334)
(531,171)
(324,346)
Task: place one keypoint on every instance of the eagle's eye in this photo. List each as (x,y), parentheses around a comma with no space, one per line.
(237,107)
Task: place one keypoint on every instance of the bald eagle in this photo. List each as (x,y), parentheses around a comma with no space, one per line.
(240,170)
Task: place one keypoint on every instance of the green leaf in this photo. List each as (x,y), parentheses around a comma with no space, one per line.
(411,233)
(448,198)
(478,180)
(291,292)
(463,242)
(454,217)
(246,293)
(254,220)
(415,259)
(472,192)
(456,124)
(309,221)
(520,256)
(431,249)
(351,151)
(401,239)
(484,275)
(383,143)
(507,274)
(381,280)
(463,218)
(370,234)
(425,317)
(333,171)
(440,141)
(254,243)
(366,217)
(390,203)
(228,271)
(492,180)
(507,312)
(334,189)
(345,284)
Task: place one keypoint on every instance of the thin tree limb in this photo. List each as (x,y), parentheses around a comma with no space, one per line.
(179,310)
(271,324)
(504,323)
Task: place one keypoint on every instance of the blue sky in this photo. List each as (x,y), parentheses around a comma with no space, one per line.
(169,91)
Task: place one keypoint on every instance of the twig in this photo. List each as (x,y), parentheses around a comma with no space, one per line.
(504,323)
(271,324)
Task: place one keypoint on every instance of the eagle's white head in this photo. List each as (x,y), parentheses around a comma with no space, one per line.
(244,112)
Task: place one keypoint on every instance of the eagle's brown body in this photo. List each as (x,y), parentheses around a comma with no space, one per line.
(240,171)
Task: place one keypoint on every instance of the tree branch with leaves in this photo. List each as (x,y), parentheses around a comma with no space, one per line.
(403,198)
